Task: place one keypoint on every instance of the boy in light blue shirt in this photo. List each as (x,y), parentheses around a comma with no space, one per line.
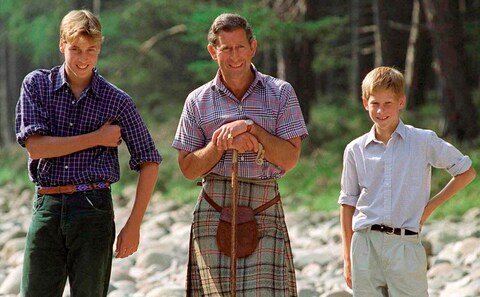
(385,193)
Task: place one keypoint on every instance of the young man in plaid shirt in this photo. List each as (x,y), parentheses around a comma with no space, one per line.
(71,121)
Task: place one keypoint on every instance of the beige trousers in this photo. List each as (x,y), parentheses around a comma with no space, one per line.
(388,265)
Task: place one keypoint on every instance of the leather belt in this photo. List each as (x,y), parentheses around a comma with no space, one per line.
(257,210)
(391,230)
(70,189)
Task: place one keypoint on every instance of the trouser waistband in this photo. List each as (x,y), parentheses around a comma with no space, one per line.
(391,230)
(70,189)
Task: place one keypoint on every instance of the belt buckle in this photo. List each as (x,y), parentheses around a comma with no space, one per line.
(384,228)
(389,232)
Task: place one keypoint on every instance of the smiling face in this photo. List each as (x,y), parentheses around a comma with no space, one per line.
(233,53)
(384,108)
(81,56)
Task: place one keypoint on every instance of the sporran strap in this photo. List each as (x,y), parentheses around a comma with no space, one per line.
(257,210)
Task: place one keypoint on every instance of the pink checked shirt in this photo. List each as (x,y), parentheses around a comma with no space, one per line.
(269,102)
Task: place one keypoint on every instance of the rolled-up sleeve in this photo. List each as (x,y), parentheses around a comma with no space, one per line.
(137,137)
(350,189)
(443,155)
(31,117)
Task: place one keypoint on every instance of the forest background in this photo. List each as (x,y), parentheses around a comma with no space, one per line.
(156,51)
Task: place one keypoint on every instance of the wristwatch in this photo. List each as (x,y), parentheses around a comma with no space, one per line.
(249,124)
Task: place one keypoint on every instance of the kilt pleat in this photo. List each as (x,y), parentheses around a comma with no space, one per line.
(269,271)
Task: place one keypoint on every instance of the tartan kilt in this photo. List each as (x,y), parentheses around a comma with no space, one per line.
(269,271)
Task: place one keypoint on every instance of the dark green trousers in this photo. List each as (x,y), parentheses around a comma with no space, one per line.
(70,236)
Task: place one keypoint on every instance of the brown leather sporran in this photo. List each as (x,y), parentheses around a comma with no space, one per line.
(247,233)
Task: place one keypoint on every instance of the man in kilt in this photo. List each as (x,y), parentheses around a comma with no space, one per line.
(258,116)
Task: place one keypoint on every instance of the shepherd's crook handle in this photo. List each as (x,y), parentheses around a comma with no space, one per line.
(260,155)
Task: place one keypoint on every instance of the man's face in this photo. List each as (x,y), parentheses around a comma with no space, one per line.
(80,58)
(234,54)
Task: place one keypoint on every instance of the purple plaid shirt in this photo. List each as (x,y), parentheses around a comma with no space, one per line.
(47,106)
(269,102)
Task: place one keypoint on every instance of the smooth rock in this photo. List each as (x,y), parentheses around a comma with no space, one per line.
(11,285)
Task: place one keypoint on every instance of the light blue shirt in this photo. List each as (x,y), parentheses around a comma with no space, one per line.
(390,184)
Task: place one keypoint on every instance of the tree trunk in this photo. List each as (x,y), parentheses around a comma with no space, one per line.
(4,111)
(354,75)
(379,26)
(13,90)
(394,27)
(299,53)
(446,29)
(96,6)
(367,47)
(280,61)
(412,47)
(298,70)
(418,59)
(7,78)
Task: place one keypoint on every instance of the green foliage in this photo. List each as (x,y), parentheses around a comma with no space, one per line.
(159,78)
(336,124)
(13,167)
(472,47)
(153,75)
(201,19)
(33,28)
(164,72)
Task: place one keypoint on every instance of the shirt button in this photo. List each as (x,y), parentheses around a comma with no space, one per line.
(73,102)
(242,158)
(71,124)
(66,167)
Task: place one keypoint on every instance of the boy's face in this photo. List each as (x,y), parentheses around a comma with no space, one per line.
(384,108)
(80,58)
(233,53)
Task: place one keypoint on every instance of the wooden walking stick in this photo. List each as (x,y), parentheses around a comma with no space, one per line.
(233,242)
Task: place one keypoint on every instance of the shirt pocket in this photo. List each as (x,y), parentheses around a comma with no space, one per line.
(268,120)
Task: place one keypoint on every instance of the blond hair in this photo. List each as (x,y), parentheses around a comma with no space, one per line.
(386,78)
(80,23)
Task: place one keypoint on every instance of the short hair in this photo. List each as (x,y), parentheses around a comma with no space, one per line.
(386,78)
(229,22)
(80,23)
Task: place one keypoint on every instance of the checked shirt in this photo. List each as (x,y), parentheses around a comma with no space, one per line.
(269,102)
(47,106)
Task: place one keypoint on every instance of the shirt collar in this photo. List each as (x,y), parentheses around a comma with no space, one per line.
(95,84)
(401,131)
(60,80)
(218,84)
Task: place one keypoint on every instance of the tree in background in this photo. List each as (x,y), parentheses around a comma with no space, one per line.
(297,52)
(155,50)
(406,35)
(445,26)
(418,59)
(26,31)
